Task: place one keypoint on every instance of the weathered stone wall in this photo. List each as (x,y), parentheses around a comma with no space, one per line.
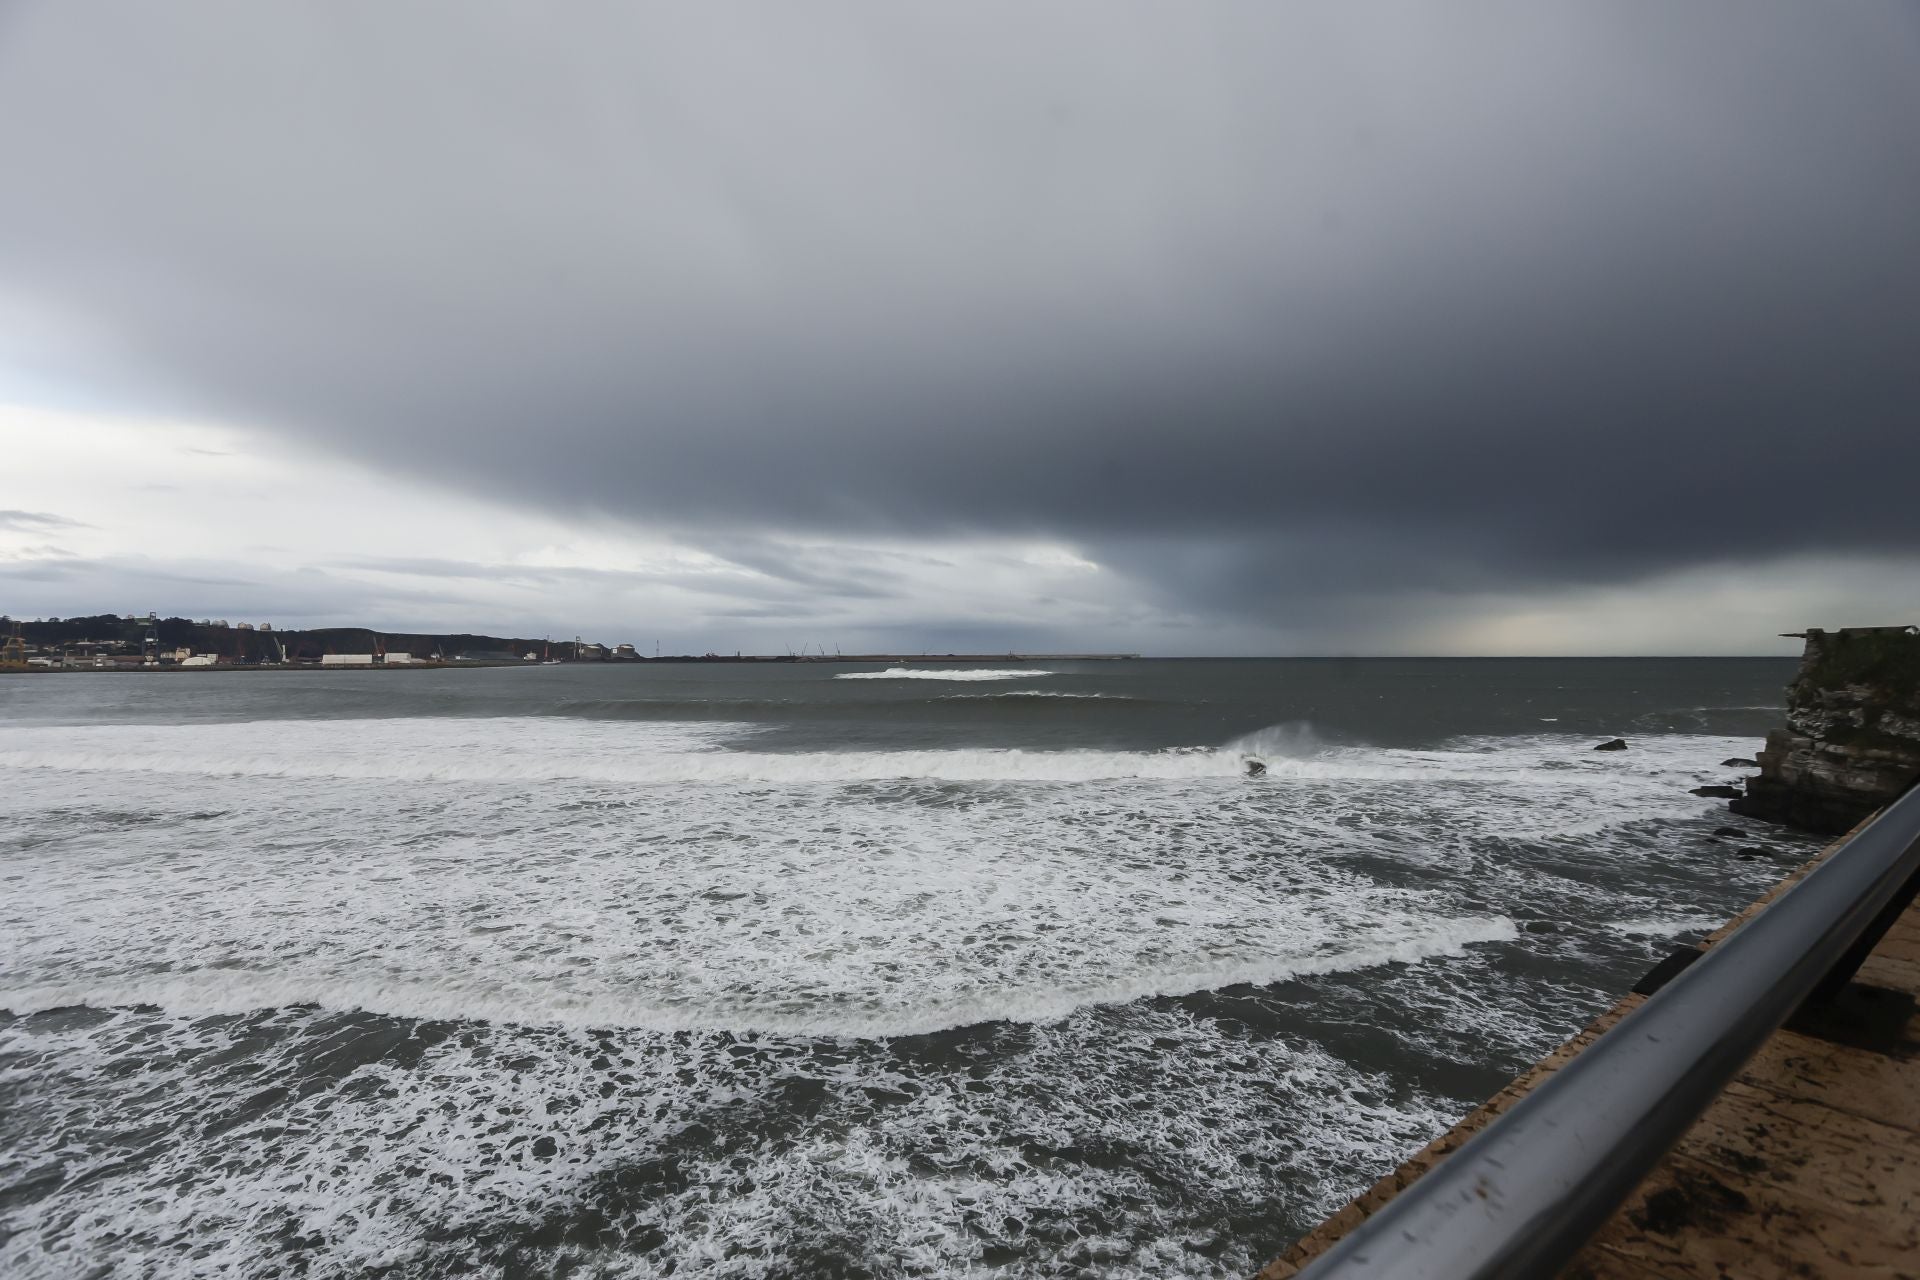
(1852,740)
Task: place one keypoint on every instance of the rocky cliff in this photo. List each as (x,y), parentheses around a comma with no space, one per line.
(1852,740)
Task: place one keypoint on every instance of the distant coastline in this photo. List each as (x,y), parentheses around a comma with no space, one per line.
(850,659)
(128,642)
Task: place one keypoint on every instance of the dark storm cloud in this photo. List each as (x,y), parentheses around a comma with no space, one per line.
(1262,304)
(51,564)
(72,585)
(753,571)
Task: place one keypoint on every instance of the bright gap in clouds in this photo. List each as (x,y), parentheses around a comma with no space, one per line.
(110,514)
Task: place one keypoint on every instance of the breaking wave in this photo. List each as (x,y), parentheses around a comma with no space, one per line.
(466,998)
(943,673)
(864,893)
(461,994)
(644,752)
(1017,694)
(658,768)
(1670,926)
(673,708)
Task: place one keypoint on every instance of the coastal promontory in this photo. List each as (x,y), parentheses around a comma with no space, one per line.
(1852,738)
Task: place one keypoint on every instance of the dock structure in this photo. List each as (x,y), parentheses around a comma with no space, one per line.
(1805,1163)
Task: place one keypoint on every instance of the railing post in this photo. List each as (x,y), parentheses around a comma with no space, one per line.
(1849,964)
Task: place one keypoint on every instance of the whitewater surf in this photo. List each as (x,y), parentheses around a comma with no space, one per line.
(792,973)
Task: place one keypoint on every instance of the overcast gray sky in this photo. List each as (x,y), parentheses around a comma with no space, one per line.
(1229,327)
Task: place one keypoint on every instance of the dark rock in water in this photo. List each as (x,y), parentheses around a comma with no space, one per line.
(1255,769)
(1748,856)
(1728,831)
(1618,744)
(1852,740)
(1719,792)
(1739,762)
(1753,851)
(1541,926)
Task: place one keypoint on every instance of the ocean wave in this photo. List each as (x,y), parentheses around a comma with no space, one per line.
(943,673)
(507,1130)
(792,709)
(681,1021)
(1295,740)
(809,893)
(645,751)
(1014,694)
(669,708)
(227,992)
(1670,926)
(648,768)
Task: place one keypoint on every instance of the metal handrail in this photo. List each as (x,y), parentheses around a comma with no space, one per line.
(1522,1197)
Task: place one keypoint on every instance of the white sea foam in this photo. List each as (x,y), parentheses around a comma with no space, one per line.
(794,904)
(546,750)
(414,867)
(679,1148)
(536,750)
(1034,693)
(627,1002)
(1666,926)
(677,1010)
(944,673)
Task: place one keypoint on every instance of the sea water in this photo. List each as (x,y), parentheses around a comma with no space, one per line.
(809,969)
